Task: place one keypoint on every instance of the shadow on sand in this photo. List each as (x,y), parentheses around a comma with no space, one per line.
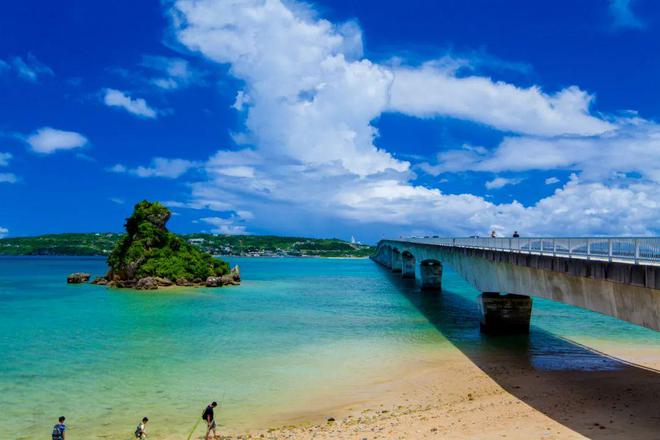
(598,396)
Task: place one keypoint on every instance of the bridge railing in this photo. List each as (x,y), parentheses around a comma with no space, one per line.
(629,249)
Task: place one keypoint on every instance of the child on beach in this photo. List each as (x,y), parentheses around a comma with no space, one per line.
(59,429)
(141,430)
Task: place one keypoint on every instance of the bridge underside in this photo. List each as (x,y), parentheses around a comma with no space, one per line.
(625,291)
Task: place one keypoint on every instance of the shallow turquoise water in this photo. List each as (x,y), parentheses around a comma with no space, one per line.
(296,331)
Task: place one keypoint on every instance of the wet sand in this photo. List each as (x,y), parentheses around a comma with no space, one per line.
(459,396)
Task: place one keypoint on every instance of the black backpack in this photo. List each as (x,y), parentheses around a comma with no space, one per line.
(57,434)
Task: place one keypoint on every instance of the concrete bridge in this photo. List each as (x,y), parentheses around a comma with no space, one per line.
(619,277)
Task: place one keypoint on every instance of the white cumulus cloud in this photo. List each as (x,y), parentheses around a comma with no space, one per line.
(8,178)
(224,226)
(30,68)
(634,147)
(501,182)
(135,106)
(3,232)
(47,140)
(4,159)
(172,73)
(432,91)
(623,16)
(317,105)
(118,168)
(159,167)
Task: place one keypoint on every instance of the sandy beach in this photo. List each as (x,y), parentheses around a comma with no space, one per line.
(463,396)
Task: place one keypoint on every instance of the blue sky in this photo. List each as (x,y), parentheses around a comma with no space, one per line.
(332,118)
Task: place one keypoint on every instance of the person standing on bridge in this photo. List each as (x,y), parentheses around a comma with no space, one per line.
(515,234)
(493,234)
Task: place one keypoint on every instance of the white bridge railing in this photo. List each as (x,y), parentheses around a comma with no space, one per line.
(628,249)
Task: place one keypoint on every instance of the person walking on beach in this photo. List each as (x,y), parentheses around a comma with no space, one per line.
(141,430)
(59,429)
(209,417)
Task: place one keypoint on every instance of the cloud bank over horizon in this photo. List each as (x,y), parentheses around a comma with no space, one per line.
(309,148)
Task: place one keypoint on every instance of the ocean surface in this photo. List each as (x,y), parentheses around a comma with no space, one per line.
(295,333)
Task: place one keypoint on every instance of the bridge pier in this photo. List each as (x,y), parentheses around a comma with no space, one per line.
(396,262)
(431,272)
(407,265)
(504,314)
(385,257)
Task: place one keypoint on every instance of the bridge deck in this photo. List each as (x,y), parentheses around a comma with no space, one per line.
(630,250)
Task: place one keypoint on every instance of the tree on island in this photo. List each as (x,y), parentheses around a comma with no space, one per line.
(150,256)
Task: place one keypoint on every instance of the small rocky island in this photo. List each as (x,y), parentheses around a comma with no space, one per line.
(150,256)
(77,278)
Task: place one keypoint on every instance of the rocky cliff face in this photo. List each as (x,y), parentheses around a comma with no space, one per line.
(150,256)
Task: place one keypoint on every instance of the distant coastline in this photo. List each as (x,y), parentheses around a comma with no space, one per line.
(101,244)
(349,257)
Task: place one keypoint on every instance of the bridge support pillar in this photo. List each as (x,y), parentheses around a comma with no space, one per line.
(396,261)
(504,314)
(407,265)
(383,257)
(431,272)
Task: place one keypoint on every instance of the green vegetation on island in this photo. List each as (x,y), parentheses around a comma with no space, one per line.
(237,245)
(149,256)
(149,250)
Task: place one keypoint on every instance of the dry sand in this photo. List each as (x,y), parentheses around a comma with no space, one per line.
(460,395)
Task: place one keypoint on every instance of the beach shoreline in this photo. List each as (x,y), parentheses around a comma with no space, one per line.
(450,397)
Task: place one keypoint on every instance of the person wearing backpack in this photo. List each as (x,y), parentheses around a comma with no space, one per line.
(209,418)
(59,428)
(141,430)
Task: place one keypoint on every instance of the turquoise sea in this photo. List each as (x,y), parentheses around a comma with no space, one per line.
(295,333)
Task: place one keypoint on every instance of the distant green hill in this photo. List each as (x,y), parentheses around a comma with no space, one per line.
(243,245)
(61,244)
